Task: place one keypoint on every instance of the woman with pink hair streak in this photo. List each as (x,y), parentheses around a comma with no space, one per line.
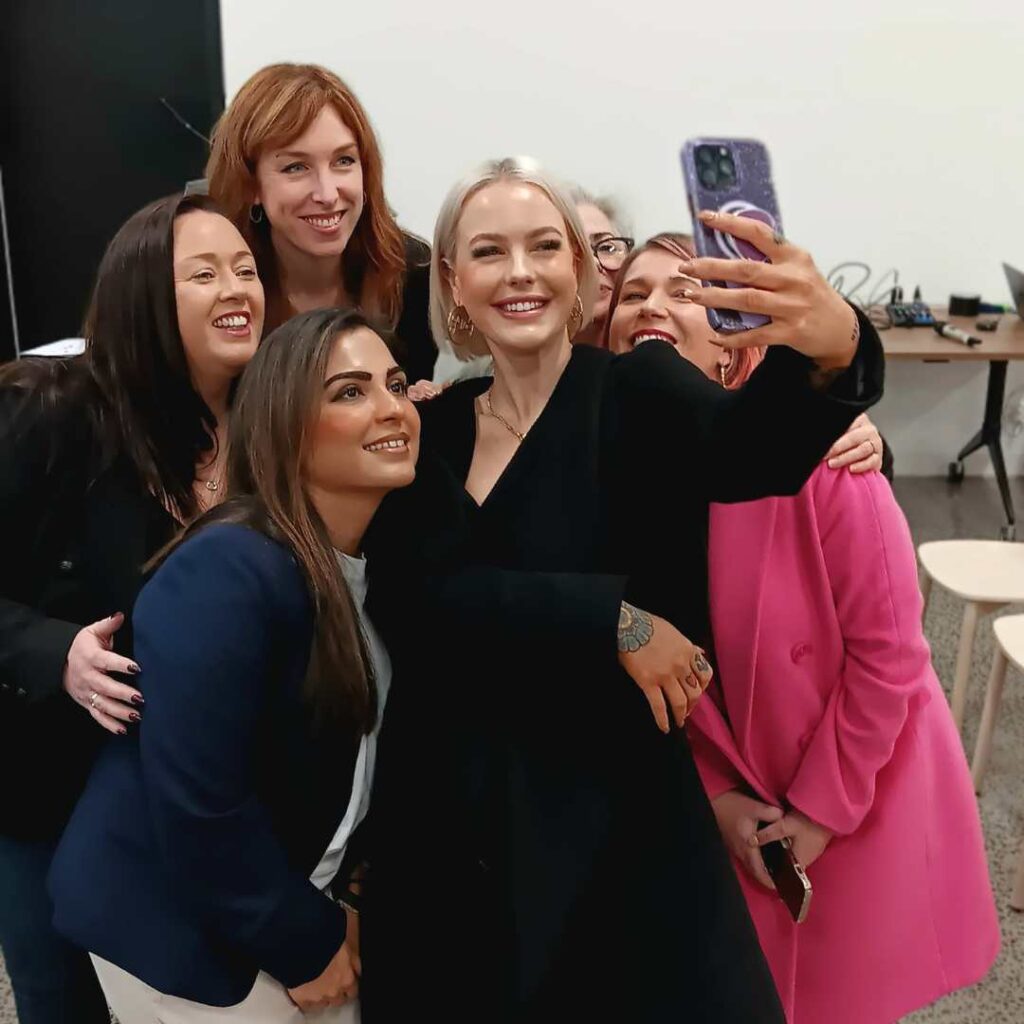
(826,722)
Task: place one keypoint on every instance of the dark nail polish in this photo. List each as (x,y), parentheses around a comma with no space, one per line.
(134,669)
(122,731)
(135,716)
(138,699)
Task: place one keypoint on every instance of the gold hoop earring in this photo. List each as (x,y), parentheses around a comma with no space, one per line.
(721,373)
(575,318)
(460,327)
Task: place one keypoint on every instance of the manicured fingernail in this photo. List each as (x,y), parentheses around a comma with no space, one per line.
(122,731)
(707,215)
(137,698)
(134,716)
(832,463)
(753,841)
(134,669)
(688,293)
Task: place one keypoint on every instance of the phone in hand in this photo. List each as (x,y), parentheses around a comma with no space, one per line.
(731,176)
(791,881)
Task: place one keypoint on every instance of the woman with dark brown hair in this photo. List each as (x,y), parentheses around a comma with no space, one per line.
(102,459)
(296,165)
(195,865)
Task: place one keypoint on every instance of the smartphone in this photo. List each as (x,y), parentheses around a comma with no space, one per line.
(791,881)
(733,176)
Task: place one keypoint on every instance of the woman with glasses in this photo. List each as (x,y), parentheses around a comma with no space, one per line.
(603,226)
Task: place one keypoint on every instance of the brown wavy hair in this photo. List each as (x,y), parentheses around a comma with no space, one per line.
(275,106)
(272,420)
(744,360)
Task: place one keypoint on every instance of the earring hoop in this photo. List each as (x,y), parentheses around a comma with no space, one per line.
(255,213)
(460,327)
(724,368)
(575,318)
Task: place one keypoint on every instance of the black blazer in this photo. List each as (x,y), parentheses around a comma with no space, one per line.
(73,539)
(573,869)
(187,859)
(416,347)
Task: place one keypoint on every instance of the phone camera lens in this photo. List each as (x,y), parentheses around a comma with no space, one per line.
(716,168)
(709,176)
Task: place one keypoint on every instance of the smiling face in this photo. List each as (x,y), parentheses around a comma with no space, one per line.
(366,436)
(597,226)
(652,305)
(219,298)
(311,189)
(513,267)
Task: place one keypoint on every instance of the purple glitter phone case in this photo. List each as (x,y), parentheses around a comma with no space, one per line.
(733,176)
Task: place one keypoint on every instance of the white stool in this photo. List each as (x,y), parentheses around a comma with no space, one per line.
(1009,634)
(987,574)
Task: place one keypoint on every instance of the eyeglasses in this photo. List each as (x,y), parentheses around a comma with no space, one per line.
(611,253)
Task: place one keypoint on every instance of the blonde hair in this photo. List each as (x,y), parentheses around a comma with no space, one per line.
(516,168)
(276,105)
(606,204)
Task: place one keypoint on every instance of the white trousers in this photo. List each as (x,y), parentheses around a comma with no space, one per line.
(134,1002)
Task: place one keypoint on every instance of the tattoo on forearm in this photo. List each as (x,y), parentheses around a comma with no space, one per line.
(821,379)
(636,628)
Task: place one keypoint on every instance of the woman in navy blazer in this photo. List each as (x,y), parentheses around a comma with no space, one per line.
(195,866)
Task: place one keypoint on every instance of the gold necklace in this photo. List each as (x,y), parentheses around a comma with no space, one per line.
(501,419)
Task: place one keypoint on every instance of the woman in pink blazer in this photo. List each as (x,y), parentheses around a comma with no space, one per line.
(827,721)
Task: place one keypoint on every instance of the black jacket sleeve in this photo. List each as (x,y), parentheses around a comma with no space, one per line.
(36,449)
(670,413)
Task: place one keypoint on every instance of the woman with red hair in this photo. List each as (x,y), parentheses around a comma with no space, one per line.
(296,165)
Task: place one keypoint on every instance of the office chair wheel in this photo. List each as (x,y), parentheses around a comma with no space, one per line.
(1008,532)
(955,473)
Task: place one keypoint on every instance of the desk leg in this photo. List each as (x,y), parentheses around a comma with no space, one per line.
(990,436)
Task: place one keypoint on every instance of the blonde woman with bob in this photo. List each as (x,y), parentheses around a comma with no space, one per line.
(297,167)
(544,850)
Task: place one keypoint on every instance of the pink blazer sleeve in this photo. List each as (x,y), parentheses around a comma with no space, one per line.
(713,750)
(869,557)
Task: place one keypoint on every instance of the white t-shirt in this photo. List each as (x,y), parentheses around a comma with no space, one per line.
(362,778)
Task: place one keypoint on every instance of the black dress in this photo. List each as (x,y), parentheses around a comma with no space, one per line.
(540,851)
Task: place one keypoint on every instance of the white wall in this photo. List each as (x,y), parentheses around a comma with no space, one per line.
(896,127)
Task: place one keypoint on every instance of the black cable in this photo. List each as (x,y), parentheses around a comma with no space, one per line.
(177,117)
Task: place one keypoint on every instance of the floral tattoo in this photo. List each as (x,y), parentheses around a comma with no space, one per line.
(635,629)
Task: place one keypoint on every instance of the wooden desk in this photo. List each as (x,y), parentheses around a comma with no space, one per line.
(997,348)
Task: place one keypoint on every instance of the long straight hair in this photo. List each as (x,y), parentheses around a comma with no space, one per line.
(133,380)
(273,417)
(744,360)
(275,106)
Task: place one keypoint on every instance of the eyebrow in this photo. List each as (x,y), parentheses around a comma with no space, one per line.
(498,237)
(600,236)
(299,154)
(644,279)
(212,257)
(361,375)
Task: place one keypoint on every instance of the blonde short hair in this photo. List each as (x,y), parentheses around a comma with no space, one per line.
(516,168)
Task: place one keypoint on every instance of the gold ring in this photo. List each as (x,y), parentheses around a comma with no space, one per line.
(92,699)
